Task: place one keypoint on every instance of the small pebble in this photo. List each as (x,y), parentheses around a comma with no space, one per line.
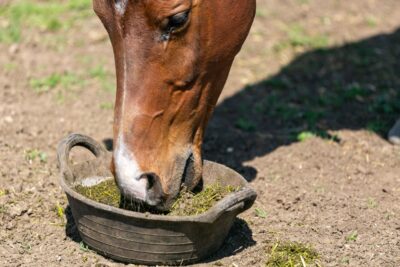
(16,211)
(19,188)
(11,225)
(14,48)
(8,119)
(29,212)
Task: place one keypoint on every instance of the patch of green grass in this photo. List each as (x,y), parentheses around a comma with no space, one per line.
(303,136)
(3,192)
(303,2)
(288,113)
(245,125)
(44,15)
(278,83)
(377,126)
(79,5)
(352,236)
(69,79)
(276,105)
(260,213)
(10,66)
(46,83)
(105,78)
(333,101)
(385,103)
(298,37)
(327,136)
(371,21)
(291,254)
(312,116)
(354,92)
(262,13)
(33,154)
(66,80)
(60,211)
(371,202)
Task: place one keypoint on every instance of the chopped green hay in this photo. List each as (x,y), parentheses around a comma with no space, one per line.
(186,204)
(105,192)
(189,203)
(291,254)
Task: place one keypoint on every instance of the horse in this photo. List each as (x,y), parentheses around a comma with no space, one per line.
(172,59)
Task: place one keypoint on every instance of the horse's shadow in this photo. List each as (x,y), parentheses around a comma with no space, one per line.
(354,86)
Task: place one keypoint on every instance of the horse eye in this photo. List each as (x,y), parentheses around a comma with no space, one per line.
(177,21)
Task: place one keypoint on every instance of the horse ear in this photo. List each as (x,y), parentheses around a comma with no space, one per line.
(109,12)
(120,6)
(107,9)
(103,9)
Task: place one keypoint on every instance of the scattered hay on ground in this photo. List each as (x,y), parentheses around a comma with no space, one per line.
(291,254)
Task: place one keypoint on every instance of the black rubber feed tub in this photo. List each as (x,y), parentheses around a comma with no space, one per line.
(145,238)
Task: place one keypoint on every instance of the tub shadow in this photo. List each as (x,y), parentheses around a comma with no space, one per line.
(239,238)
(71,230)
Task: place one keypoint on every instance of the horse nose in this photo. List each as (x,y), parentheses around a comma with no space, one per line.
(155,193)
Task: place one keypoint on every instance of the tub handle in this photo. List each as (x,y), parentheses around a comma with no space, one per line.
(235,203)
(72,140)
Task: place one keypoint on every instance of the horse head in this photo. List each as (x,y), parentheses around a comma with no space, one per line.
(172,60)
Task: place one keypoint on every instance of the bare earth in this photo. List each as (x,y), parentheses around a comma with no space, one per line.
(329,67)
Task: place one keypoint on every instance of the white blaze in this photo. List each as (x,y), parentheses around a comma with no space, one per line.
(126,167)
(128,173)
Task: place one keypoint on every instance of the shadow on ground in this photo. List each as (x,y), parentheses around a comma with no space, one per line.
(355,86)
(239,238)
(70,228)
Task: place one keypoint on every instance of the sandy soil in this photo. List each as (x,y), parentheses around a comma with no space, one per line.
(327,67)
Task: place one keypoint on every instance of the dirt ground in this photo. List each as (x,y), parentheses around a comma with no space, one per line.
(303,117)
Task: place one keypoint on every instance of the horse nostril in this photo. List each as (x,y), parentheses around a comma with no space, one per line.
(154,188)
(151,179)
